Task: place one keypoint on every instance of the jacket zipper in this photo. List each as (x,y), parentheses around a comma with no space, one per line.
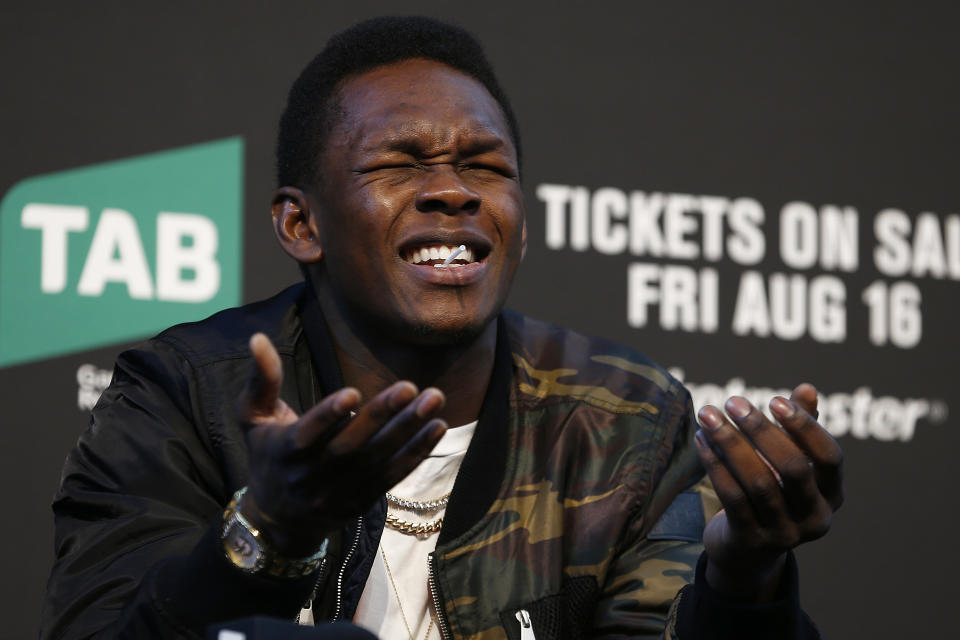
(343,567)
(442,623)
(526,626)
(321,575)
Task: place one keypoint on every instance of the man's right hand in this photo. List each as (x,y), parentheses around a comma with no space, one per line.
(310,474)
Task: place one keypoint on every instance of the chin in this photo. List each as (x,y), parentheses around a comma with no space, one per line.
(441,332)
(431,336)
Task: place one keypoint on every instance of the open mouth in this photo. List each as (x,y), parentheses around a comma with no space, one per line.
(434,255)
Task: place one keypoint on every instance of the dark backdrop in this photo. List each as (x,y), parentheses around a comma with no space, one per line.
(851,107)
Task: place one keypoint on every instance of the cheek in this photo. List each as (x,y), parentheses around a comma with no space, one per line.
(509,219)
(375,211)
(361,227)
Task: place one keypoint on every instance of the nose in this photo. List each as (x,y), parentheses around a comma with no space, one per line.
(443,190)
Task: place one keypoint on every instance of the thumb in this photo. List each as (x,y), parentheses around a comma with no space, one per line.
(259,398)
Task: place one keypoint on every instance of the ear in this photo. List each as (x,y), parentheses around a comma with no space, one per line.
(295,225)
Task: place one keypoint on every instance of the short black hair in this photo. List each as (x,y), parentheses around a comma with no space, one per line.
(308,116)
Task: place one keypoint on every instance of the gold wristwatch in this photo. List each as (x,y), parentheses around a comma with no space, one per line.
(245,546)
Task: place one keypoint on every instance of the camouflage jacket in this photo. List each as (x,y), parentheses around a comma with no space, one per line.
(578,501)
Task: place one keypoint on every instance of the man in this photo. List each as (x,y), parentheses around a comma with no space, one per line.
(574,502)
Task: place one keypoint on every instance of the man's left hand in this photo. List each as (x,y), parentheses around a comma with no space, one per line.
(779,489)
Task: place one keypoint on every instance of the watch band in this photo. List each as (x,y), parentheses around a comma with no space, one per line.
(245,547)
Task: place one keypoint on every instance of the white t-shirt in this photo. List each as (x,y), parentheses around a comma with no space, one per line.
(378,609)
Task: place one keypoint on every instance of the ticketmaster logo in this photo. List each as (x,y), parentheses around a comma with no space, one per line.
(119,250)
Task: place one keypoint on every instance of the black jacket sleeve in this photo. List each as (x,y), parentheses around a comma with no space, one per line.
(704,614)
(137,517)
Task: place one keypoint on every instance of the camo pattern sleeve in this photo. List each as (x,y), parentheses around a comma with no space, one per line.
(656,586)
(598,520)
(657,557)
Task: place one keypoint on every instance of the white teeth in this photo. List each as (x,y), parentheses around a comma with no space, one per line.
(440,252)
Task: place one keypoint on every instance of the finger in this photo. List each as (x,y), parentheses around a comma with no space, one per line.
(371,418)
(818,445)
(731,495)
(322,422)
(750,471)
(259,398)
(805,396)
(791,467)
(405,425)
(416,450)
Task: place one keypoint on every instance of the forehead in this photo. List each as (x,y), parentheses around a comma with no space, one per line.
(416,98)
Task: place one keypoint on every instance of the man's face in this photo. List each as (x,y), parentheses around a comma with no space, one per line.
(419,162)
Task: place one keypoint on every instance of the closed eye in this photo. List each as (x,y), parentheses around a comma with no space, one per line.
(386,167)
(479,166)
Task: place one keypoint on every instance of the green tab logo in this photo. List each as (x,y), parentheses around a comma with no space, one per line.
(118,251)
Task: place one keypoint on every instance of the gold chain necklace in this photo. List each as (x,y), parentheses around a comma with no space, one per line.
(396,592)
(414,528)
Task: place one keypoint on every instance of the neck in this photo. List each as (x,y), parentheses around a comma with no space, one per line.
(371,361)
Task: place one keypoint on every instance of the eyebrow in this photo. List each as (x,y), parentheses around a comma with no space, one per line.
(414,145)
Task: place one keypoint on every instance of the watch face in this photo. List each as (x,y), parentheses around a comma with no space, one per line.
(242,547)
